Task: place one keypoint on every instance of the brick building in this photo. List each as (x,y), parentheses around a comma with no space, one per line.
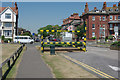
(70,24)
(101,23)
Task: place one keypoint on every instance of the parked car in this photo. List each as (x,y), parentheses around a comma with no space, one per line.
(23,39)
(37,40)
(58,39)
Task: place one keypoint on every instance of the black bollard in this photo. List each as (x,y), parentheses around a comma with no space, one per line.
(52,49)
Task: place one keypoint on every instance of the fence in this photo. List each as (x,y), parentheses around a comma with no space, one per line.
(8,62)
(73,43)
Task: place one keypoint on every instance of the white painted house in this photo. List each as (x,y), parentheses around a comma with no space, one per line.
(8,19)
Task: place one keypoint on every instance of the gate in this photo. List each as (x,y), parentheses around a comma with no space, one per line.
(72,43)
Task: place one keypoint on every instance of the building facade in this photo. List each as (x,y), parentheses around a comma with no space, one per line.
(8,21)
(70,24)
(102,23)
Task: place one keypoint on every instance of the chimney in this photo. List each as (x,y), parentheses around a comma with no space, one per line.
(83,13)
(119,6)
(104,6)
(86,8)
(95,8)
(63,21)
(114,5)
(16,6)
(71,15)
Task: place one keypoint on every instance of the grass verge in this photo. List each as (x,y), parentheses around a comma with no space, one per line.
(63,68)
(13,71)
(8,50)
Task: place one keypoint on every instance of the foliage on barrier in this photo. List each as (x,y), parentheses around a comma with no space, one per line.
(68,43)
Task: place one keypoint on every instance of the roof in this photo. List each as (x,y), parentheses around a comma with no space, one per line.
(108,10)
(74,16)
(3,8)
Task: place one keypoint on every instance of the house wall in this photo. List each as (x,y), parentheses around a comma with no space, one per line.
(3,20)
(99,23)
(13,18)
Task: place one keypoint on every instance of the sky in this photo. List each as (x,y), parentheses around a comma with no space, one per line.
(34,15)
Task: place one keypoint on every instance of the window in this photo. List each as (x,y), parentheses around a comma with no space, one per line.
(117,9)
(93,34)
(8,15)
(0,23)
(103,18)
(25,38)
(103,25)
(97,11)
(103,11)
(8,24)
(7,33)
(111,17)
(93,26)
(115,17)
(111,26)
(100,18)
(118,17)
(0,33)
(111,9)
(93,18)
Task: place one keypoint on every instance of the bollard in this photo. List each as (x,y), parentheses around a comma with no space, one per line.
(52,49)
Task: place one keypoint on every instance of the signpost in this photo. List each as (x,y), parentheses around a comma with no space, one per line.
(116,31)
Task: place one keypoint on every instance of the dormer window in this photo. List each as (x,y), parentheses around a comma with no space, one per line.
(103,11)
(93,18)
(96,10)
(7,15)
(110,9)
(117,9)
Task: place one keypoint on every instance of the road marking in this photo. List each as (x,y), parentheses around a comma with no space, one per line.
(114,68)
(90,68)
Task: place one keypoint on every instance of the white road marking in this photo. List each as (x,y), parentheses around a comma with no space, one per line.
(114,68)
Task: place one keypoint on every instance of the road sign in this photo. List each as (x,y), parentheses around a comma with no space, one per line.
(33,34)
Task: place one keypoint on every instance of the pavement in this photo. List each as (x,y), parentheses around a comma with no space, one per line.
(32,65)
(102,59)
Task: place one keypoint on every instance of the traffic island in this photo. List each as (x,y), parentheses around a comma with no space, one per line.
(63,68)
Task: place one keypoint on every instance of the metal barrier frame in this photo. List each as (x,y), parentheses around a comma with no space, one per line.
(73,43)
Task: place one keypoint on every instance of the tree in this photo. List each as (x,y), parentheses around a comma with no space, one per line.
(81,33)
(26,34)
(50,27)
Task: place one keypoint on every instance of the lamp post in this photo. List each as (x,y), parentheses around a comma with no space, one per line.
(12,22)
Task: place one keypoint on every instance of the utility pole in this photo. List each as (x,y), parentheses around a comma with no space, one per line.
(12,22)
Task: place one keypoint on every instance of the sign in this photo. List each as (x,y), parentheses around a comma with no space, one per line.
(38,35)
(115,28)
(33,34)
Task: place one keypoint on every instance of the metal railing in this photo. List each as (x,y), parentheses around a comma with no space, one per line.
(10,63)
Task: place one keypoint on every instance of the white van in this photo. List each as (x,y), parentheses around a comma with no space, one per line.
(23,39)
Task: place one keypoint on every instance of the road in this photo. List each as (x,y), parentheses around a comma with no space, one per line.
(103,59)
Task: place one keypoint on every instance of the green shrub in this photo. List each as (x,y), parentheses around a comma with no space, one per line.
(117,43)
(93,38)
(7,39)
(106,38)
(3,37)
(110,37)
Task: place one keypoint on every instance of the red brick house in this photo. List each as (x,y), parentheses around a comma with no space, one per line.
(70,24)
(101,23)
